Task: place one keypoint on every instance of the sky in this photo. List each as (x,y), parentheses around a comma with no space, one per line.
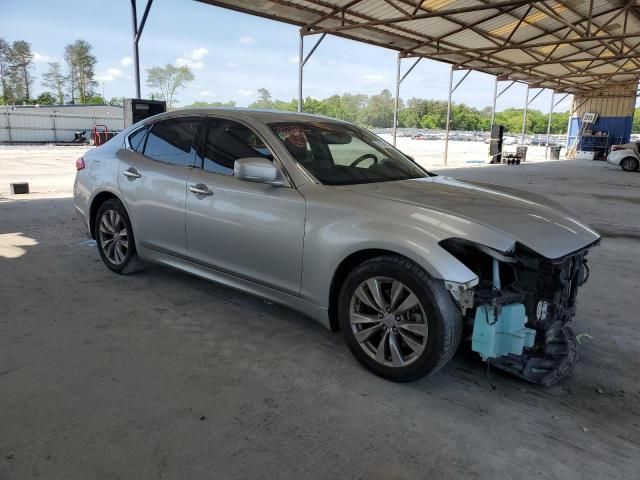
(232,54)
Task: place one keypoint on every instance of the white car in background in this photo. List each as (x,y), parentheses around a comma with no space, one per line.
(625,156)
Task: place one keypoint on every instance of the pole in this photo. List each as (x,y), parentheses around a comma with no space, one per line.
(8,123)
(524,117)
(136,56)
(397,103)
(546,150)
(446,133)
(493,108)
(300,65)
(53,124)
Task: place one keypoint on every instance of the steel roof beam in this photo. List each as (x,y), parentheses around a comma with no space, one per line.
(518,46)
(422,16)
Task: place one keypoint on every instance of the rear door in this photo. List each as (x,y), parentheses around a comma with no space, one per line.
(153,178)
(251,230)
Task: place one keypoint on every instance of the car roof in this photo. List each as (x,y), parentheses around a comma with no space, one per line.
(264,116)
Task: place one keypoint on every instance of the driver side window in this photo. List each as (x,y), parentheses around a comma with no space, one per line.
(226,141)
(345,154)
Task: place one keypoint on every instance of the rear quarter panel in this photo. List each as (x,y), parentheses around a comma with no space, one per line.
(99,175)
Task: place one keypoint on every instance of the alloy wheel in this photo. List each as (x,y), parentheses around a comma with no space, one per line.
(628,164)
(388,321)
(114,238)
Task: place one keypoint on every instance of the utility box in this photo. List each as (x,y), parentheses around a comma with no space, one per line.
(137,109)
(495,145)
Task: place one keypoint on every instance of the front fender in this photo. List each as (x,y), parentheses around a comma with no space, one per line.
(333,234)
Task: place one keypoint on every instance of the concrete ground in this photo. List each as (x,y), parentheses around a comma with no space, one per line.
(161,375)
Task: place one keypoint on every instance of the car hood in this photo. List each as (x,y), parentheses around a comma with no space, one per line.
(522,217)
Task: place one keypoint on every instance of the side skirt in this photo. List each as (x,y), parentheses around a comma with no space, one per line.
(314,311)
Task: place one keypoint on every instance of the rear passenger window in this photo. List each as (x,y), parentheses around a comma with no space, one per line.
(226,141)
(171,141)
(136,139)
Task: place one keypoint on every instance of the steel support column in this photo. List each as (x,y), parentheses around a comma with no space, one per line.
(446,132)
(448,126)
(399,80)
(493,107)
(524,117)
(496,96)
(302,62)
(553,106)
(137,32)
(526,109)
(300,51)
(546,145)
(396,105)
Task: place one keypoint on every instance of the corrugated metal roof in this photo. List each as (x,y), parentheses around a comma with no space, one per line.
(569,45)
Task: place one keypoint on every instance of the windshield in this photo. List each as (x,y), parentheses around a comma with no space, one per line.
(338,154)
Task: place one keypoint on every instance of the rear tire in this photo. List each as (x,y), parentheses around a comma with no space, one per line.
(629,164)
(398,321)
(114,238)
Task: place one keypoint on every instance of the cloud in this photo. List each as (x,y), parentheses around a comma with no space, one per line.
(126,61)
(40,58)
(231,64)
(110,75)
(247,40)
(198,53)
(206,93)
(294,59)
(373,77)
(193,59)
(245,93)
(187,62)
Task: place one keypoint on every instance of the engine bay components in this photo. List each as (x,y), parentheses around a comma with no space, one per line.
(501,330)
(522,305)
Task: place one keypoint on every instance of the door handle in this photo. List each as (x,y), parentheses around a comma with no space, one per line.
(131,173)
(200,189)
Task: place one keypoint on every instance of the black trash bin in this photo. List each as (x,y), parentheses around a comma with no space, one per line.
(554,153)
(522,153)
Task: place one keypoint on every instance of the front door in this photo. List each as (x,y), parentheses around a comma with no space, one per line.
(153,181)
(251,230)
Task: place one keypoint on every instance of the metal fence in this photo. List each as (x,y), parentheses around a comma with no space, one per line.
(43,126)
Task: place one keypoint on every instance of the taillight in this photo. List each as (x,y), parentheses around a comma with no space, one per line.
(80,163)
(616,147)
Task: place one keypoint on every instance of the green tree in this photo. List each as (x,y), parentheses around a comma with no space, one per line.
(408,118)
(7,94)
(379,110)
(20,63)
(46,98)
(264,99)
(81,62)
(55,80)
(95,99)
(169,80)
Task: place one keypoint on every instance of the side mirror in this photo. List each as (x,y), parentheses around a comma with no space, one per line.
(258,170)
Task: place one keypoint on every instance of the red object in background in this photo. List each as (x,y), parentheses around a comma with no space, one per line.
(80,163)
(99,134)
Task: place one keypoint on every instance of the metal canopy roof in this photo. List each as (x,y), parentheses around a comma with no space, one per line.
(568,45)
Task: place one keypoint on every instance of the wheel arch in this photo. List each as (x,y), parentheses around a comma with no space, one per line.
(98,200)
(633,159)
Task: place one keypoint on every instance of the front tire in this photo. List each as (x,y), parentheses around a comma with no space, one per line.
(114,237)
(398,321)
(629,164)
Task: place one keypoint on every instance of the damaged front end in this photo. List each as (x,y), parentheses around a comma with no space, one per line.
(519,310)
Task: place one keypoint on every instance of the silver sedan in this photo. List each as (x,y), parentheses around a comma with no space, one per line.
(329,219)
